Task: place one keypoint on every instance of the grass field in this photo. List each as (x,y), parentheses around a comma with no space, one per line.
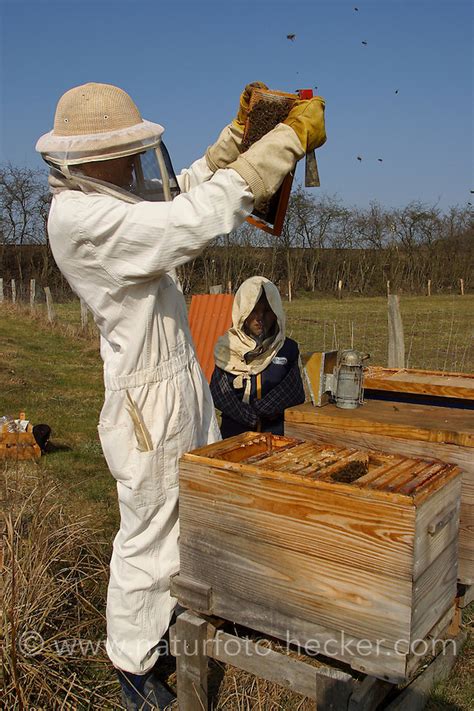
(439,330)
(54,374)
(57,379)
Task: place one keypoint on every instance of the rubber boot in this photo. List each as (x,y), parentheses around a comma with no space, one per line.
(144,692)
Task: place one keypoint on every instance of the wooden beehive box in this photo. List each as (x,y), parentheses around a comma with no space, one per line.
(273,536)
(18,445)
(406,428)
(429,383)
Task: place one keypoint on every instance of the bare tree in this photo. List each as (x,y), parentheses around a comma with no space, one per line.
(323,241)
(316,223)
(24,199)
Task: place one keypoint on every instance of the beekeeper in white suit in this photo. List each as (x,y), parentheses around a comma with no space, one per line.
(120,223)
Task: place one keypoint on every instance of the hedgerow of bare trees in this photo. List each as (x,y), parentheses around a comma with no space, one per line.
(323,242)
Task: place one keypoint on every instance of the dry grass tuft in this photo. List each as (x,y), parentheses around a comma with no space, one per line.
(55,575)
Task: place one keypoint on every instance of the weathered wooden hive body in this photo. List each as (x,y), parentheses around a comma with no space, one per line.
(348,553)
(406,428)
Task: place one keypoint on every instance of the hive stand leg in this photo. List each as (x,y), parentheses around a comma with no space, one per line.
(191,662)
(369,694)
(332,690)
(465,595)
(415,696)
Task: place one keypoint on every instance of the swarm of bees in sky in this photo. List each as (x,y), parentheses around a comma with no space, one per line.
(292,37)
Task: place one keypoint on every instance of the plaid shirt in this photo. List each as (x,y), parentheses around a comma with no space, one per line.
(226,400)
(287,393)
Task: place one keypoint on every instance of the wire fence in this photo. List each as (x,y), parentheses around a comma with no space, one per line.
(438,330)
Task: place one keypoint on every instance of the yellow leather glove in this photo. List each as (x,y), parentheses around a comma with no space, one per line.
(306,118)
(241,118)
(226,149)
(229,142)
(267,162)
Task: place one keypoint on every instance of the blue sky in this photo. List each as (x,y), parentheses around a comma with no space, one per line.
(185,63)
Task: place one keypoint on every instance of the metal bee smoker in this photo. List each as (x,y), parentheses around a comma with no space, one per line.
(346,384)
(336,376)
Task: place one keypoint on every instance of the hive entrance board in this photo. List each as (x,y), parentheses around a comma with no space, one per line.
(281,456)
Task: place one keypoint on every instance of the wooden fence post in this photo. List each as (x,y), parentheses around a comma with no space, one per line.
(289,290)
(84,314)
(396,340)
(13,292)
(1,291)
(339,289)
(192,662)
(388,288)
(49,304)
(461,284)
(229,287)
(429,287)
(32,293)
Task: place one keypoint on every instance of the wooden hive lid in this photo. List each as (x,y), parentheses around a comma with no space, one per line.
(326,465)
(420,382)
(424,423)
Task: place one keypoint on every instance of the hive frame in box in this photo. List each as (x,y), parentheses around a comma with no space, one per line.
(284,193)
(198,633)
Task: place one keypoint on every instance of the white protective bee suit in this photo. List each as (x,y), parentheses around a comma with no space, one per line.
(118,256)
